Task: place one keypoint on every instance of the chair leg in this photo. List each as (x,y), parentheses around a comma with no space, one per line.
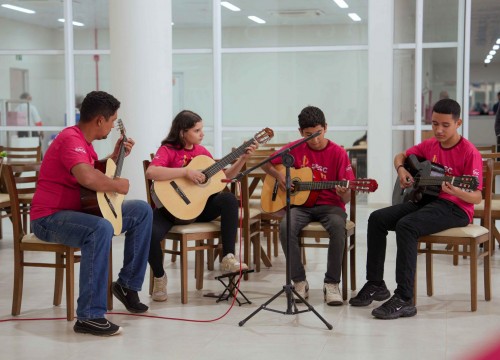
(110,279)
(184,278)
(456,249)
(175,246)
(487,272)
(344,274)
(275,239)
(198,268)
(353,262)
(473,276)
(17,296)
(429,271)
(58,284)
(210,254)
(70,284)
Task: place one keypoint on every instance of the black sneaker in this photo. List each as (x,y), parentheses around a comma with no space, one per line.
(395,308)
(99,327)
(370,292)
(129,298)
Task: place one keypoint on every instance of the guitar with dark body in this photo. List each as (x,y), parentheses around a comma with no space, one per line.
(428,177)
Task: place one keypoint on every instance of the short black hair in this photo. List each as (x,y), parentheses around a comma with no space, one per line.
(448,106)
(311,116)
(98,103)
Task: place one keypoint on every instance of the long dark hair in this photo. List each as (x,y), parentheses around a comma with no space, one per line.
(183,121)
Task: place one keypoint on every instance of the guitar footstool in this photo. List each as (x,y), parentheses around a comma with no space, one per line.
(230,287)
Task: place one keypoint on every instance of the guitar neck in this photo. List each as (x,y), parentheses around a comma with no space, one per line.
(437,180)
(319,185)
(121,157)
(226,160)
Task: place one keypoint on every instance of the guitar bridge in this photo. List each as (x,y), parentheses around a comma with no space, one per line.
(180,192)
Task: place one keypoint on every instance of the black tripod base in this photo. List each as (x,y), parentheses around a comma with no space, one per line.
(292,309)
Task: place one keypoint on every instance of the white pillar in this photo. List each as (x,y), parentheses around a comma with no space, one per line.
(141,78)
(380,88)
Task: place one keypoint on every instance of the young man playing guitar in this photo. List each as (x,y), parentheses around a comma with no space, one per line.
(56,215)
(453,207)
(330,162)
(171,166)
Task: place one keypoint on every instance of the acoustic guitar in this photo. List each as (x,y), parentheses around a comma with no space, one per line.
(186,200)
(107,204)
(428,177)
(305,189)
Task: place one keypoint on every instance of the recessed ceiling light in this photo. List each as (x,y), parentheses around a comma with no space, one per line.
(230,6)
(489,57)
(496,47)
(17,8)
(257,19)
(354,17)
(498,41)
(341,4)
(487,61)
(75,23)
(493,52)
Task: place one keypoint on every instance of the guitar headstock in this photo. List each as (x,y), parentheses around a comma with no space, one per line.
(468,183)
(363,185)
(264,136)
(120,127)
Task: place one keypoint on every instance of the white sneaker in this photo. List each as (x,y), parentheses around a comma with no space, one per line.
(302,288)
(333,297)
(230,264)
(160,288)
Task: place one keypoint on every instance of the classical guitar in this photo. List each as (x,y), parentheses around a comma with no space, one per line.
(428,177)
(186,200)
(107,204)
(305,189)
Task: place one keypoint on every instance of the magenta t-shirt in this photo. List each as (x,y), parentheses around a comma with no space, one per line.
(168,156)
(57,189)
(328,164)
(460,160)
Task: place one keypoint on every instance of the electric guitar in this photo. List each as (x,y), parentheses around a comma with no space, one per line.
(428,177)
(186,200)
(305,191)
(107,204)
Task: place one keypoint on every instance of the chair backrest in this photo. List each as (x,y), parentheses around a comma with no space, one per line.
(20,181)
(487,191)
(486,149)
(23,154)
(149,183)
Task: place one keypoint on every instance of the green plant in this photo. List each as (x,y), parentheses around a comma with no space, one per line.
(3,154)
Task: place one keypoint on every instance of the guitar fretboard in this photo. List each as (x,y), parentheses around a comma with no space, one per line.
(226,160)
(319,185)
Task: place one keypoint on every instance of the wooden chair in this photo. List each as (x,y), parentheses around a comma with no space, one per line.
(20,179)
(495,201)
(196,237)
(486,149)
(317,232)
(470,237)
(16,155)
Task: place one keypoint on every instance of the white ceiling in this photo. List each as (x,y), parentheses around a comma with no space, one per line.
(485,24)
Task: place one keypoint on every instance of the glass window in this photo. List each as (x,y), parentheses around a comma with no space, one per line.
(299,23)
(440,20)
(39,30)
(404,21)
(193,85)
(91,19)
(192,24)
(439,76)
(404,87)
(92,72)
(271,88)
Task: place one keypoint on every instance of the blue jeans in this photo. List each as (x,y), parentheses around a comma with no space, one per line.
(410,221)
(333,220)
(93,234)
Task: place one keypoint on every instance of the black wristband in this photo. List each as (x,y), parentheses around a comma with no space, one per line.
(399,167)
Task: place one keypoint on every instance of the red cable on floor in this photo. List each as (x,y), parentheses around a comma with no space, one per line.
(166,317)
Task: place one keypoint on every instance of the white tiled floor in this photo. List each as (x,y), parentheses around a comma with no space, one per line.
(444,327)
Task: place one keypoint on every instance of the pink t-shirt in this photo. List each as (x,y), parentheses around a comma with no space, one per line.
(57,189)
(168,156)
(460,160)
(329,164)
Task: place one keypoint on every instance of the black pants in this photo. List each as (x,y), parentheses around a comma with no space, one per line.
(410,221)
(222,204)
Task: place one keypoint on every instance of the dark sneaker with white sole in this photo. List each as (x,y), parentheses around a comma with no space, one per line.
(395,308)
(370,292)
(99,327)
(129,298)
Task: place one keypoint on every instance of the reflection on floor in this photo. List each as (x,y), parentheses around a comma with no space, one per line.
(444,328)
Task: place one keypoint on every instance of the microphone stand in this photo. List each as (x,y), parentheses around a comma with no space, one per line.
(288,288)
